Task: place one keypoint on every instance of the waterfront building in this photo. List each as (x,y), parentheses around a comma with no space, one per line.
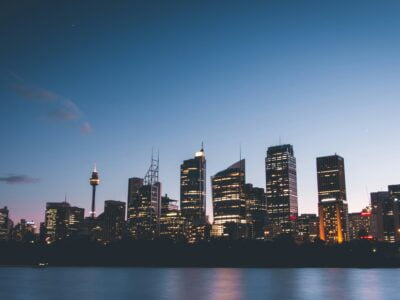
(144,204)
(385,215)
(193,189)
(229,202)
(332,201)
(281,189)
(360,225)
(307,227)
(173,225)
(56,221)
(5,224)
(113,220)
(256,210)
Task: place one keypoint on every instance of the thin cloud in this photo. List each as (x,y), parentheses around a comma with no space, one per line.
(33,93)
(18,179)
(86,128)
(65,111)
(58,107)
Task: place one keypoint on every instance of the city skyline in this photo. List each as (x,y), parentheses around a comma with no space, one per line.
(94,174)
(105,85)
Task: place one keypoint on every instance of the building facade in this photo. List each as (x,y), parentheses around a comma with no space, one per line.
(193,189)
(281,189)
(332,200)
(360,225)
(385,215)
(307,227)
(56,221)
(256,210)
(113,220)
(229,202)
(5,224)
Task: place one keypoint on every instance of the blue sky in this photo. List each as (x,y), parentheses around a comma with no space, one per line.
(105,82)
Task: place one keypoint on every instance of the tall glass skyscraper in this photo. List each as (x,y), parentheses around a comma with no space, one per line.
(193,189)
(332,201)
(281,188)
(229,200)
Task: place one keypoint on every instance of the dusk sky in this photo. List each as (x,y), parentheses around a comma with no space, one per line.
(98,82)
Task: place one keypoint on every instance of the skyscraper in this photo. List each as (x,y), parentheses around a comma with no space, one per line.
(385,215)
(281,188)
(332,201)
(76,220)
(5,224)
(113,220)
(144,197)
(94,181)
(173,226)
(394,193)
(193,189)
(307,227)
(360,225)
(229,201)
(256,210)
(134,184)
(56,221)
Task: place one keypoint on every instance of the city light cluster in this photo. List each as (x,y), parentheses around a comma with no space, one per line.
(240,210)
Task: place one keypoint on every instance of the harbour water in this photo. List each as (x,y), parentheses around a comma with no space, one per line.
(197,283)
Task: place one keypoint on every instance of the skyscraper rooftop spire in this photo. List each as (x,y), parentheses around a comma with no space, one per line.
(94,168)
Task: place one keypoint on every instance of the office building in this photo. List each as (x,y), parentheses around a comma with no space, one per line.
(144,205)
(173,225)
(307,227)
(5,224)
(281,189)
(113,220)
(332,201)
(56,221)
(193,189)
(256,210)
(229,202)
(360,225)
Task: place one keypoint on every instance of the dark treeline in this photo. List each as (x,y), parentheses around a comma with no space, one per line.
(279,253)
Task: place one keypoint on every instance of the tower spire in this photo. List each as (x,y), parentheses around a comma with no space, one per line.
(94,181)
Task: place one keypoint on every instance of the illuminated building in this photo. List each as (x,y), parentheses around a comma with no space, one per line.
(256,210)
(56,221)
(134,184)
(332,201)
(385,214)
(145,204)
(5,224)
(113,220)
(281,188)
(24,231)
(75,220)
(307,227)
(94,181)
(394,193)
(193,189)
(229,201)
(360,225)
(173,225)
(61,221)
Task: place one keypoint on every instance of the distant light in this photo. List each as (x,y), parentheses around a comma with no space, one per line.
(199,154)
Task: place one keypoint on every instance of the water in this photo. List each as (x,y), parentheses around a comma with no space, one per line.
(197,283)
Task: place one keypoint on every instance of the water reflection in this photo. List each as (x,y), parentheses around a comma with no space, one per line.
(197,283)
